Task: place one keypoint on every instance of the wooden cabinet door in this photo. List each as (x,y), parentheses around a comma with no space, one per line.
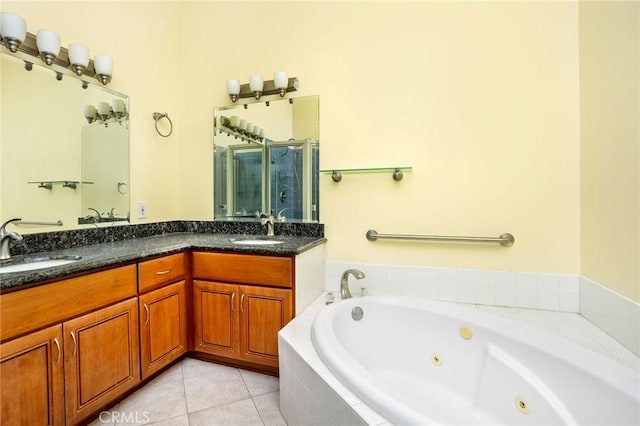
(101,358)
(216,318)
(32,379)
(263,312)
(163,327)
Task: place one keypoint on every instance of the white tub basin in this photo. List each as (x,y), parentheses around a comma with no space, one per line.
(32,264)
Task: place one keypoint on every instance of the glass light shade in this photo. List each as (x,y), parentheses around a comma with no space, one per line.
(234,120)
(89,111)
(103,64)
(78,57)
(233,87)
(14,30)
(261,133)
(256,83)
(103,108)
(242,125)
(256,130)
(48,42)
(280,79)
(249,128)
(118,106)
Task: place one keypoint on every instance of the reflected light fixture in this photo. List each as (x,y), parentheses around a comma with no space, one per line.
(90,113)
(48,43)
(281,84)
(13,29)
(104,111)
(256,84)
(78,57)
(104,68)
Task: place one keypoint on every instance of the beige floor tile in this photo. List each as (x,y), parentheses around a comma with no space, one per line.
(162,398)
(259,384)
(268,406)
(211,390)
(174,421)
(236,413)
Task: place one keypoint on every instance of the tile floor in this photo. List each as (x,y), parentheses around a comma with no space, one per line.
(194,392)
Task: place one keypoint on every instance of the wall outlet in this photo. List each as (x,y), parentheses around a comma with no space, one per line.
(142,209)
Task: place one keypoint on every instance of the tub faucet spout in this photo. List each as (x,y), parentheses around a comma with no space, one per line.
(344,282)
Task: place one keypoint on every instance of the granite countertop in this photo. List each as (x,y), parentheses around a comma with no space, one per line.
(99,256)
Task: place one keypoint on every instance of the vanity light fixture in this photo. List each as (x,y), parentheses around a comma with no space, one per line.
(13,30)
(281,84)
(233,88)
(281,81)
(256,84)
(104,68)
(78,57)
(48,43)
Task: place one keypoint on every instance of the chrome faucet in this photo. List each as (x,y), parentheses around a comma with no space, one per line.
(269,222)
(5,237)
(344,282)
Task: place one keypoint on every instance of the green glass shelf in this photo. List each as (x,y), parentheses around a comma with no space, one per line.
(336,174)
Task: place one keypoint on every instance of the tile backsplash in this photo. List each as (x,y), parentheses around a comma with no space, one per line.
(552,292)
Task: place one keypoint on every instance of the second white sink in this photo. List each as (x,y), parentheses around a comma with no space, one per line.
(257,242)
(38,263)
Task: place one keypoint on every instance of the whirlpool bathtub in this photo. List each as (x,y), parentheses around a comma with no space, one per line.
(420,362)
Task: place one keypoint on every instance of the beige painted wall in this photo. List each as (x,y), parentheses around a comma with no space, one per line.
(481,98)
(610,151)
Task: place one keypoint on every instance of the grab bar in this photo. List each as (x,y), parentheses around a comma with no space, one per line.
(27,222)
(505,240)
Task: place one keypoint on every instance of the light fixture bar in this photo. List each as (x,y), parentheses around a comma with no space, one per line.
(268,89)
(29,48)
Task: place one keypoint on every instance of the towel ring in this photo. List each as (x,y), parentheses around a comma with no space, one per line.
(157,116)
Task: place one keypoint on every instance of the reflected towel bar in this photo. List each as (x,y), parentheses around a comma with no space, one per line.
(505,240)
(27,222)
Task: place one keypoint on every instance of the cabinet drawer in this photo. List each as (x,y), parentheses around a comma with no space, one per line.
(36,307)
(163,270)
(244,268)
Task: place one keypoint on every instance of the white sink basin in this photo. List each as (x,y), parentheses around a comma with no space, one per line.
(257,242)
(38,263)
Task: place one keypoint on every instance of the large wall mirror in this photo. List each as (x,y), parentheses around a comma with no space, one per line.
(266,159)
(55,165)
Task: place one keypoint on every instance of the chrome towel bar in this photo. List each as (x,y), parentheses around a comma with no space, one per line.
(505,240)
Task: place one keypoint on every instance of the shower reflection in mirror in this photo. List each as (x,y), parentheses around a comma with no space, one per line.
(277,175)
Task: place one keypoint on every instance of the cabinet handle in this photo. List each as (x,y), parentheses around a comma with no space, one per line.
(233,298)
(55,340)
(163,272)
(146,309)
(75,344)
(241,302)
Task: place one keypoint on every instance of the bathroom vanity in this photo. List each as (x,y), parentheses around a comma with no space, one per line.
(92,331)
